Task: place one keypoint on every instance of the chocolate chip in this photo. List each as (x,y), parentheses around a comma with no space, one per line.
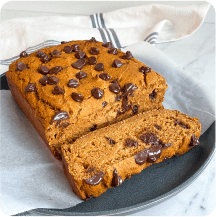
(92,60)
(104,103)
(125,105)
(157,127)
(135,109)
(99,67)
(150,139)
(194,141)
(40,54)
(113,51)
(43,70)
(154,154)
(130,142)
(75,47)
(93,128)
(94,51)
(55,70)
(141,157)
(115,88)
(64,42)
(117,63)
(128,89)
(55,53)
(95,180)
(144,69)
(59,116)
(68,49)
(117,180)
(153,94)
(93,40)
(80,54)
(180,123)
(77,97)
(127,56)
(73,83)
(52,80)
(107,45)
(110,140)
(79,64)
(30,87)
(23,54)
(105,76)
(64,125)
(58,90)
(81,75)
(44,59)
(43,80)
(97,93)
(20,66)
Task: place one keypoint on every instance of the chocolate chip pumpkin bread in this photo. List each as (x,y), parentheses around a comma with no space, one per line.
(106,157)
(77,87)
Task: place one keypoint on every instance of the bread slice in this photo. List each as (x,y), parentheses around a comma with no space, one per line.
(106,157)
(71,89)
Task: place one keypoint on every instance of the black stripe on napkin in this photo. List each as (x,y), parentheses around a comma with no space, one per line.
(93,21)
(102,20)
(152,34)
(115,38)
(102,35)
(152,40)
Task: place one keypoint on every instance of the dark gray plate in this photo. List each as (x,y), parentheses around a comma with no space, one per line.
(152,186)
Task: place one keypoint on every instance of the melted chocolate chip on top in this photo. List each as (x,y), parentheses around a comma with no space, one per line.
(75,47)
(58,90)
(94,51)
(141,157)
(99,67)
(107,45)
(92,60)
(105,76)
(97,93)
(30,87)
(81,75)
(80,54)
(194,141)
(24,54)
(73,83)
(68,49)
(55,53)
(77,97)
(115,88)
(127,56)
(113,51)
(117,63)
(117,180)
(55,70)
(79,64)
(43,70)
(59,116)
(20,66)
(95,180)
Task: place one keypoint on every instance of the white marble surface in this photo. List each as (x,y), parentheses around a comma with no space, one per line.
(194,54)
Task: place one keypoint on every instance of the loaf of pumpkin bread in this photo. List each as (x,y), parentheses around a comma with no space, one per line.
(106,157)
(77,87)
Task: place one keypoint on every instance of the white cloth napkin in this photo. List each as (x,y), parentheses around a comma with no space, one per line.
(31,179)
(154,23)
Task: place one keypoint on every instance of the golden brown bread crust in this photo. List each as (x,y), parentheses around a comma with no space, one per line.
(98,154)
(44,100)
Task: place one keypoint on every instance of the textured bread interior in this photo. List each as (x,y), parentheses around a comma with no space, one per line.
(95,150)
